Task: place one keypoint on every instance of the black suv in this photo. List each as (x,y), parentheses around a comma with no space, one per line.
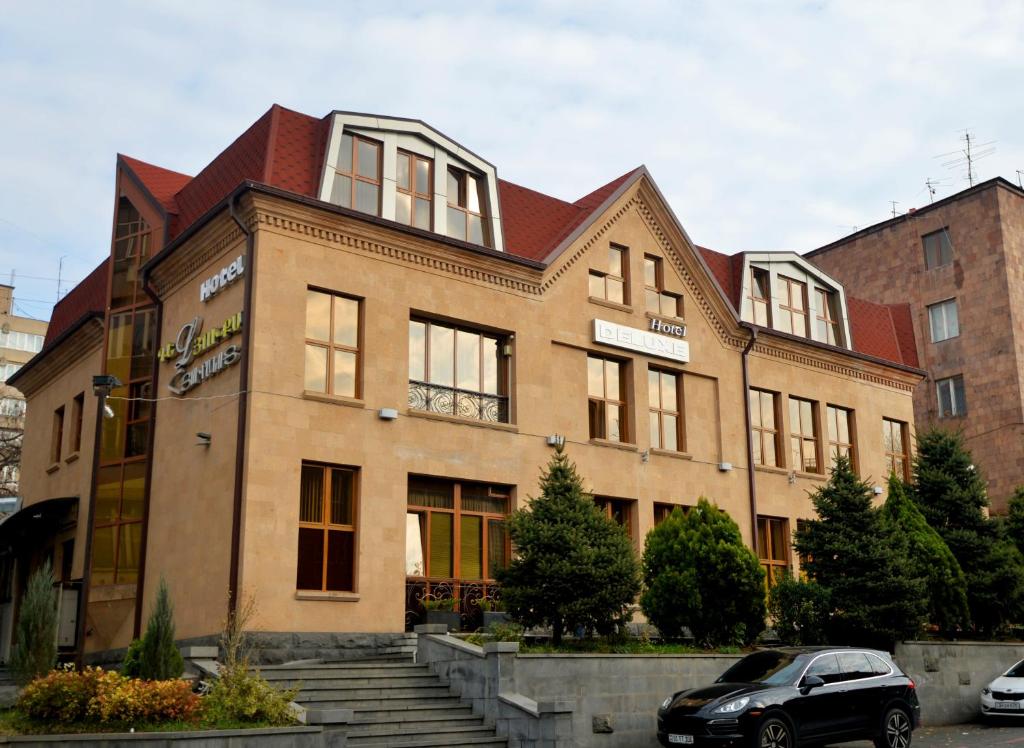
(783,698)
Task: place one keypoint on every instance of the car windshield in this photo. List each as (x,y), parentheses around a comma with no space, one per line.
(771,667)
(1017,671)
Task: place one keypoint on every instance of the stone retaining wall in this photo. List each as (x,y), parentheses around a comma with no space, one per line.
(950,675)
(281,737)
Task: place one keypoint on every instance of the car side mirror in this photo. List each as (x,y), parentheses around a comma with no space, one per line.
(809,682)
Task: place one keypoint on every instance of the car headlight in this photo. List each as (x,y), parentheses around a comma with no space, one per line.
(986,690)
(666,702)
(733,706)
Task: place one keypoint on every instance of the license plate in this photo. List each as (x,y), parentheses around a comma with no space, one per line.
(999,705)
(681,739)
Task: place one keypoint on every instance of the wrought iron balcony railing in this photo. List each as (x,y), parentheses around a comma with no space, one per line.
(450,401)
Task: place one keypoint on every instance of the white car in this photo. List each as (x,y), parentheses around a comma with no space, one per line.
(1004,697)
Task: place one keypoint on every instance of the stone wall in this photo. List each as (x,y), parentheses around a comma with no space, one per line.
(950,675)
(280,737)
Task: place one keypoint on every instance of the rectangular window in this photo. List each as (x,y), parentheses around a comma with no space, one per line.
(606,390)
(840,433)
(620,511)
(12,407)
(7,370)
(58,434)
(357,177)
(950,393)
(467,207)
(792,306)
(803,436)
(662,511)
(657,299)
(77,407)
(332,343)
(763,428)
(943,320)
(611,282)
(21,341)
(328,508)
(897,455)
(760,297)
(456,530)
(827,317)
(938,249)
(665,403)
(415,187)
(457,371)
(773,548)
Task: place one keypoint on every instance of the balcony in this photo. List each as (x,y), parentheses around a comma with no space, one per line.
(450,401)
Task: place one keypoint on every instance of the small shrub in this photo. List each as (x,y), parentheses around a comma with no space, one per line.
(159,658)
(240,694)
(130,666)
(35,649)
(800,610)
(62,695)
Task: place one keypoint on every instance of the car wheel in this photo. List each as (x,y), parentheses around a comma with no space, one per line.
(896,730)
(775,733)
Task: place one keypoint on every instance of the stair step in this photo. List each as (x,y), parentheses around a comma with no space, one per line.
(361,693)
(447,736)
(425,723)
(428,741)
(383,702)
(360,681)
(342,671)
(431,712)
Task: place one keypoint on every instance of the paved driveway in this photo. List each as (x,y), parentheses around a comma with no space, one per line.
(961,736)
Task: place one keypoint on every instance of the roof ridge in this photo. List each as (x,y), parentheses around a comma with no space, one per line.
(608,187)
(126,157)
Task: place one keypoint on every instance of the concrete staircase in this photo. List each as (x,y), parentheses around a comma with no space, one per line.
(394,701)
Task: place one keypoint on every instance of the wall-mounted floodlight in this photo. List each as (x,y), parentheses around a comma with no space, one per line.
(555,440)
(102,384)
(204,438)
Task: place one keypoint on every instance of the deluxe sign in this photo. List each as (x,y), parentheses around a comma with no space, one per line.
(227,275)
(641,341)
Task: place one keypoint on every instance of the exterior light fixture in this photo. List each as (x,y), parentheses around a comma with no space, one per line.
(102,384)
(645,456)
(555,440)
(204,438)
(387,414)
(877,490)
(724,467)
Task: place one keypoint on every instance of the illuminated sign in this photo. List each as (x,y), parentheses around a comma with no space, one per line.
(641,341)
(191,342)
(227,275)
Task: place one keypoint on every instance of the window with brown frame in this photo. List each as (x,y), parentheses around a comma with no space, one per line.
(467,207)
(57,438)
(117,539)
(763,428)
(77,409)
(619,511)
(894,440)
(612,283)
(457,371)
(827,317)
(773,548)
(760,297)
(332,343)
(606,390)
(414,190)
(665,402)
(663,511)
(803,436)
(328,510)
(792,306)
(357,177)
(658,300)
(456,530)
(840,434)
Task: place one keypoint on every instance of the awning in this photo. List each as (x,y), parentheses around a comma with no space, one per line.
(35,520)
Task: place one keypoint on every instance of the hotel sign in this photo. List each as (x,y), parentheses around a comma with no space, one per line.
(641,341)
(218,282)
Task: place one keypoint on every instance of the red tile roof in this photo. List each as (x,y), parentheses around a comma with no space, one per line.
(88,296)
(163,184)
(728,271)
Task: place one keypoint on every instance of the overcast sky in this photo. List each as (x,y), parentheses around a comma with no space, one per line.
(766,125)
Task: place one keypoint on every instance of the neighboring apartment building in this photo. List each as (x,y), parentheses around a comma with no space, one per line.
(20,339)
(959,262)
(344,349)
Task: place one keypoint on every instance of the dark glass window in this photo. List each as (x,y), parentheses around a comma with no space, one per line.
(327,528)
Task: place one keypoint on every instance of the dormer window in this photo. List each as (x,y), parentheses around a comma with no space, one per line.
(792,306)
(357,176)
(760,297)
(466,198)
(827,318)
(413,190)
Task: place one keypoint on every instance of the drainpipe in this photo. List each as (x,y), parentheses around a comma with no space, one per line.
(243,402)
(751,483)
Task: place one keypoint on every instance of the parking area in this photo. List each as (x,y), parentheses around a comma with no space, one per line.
(961,736)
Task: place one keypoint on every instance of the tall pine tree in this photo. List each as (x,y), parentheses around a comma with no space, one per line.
(1015,518)
(875,599)
(951,494)
(573,566)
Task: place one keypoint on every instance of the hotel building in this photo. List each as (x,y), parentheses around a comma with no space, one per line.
(344,349)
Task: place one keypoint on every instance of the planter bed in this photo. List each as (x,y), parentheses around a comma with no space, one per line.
(271,737)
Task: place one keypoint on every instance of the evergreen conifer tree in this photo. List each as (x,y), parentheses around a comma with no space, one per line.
(951,494)
(35,648)
(874,597)
(928,557)
(1015,518)
(159,658)
(699,573)
(573,567)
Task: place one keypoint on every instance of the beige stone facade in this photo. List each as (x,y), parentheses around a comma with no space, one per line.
(985,278)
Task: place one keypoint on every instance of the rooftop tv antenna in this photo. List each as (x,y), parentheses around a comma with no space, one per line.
(930,185)
(60,271)
(1019,174)
(894,203)
(967,156)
